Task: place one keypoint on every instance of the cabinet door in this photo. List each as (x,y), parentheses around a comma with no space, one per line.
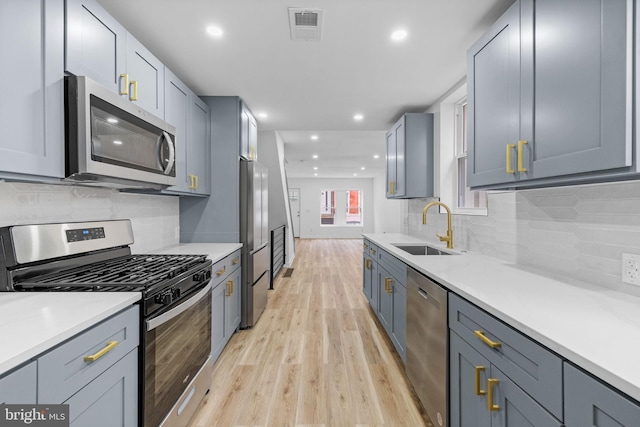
(111,400)
(588,402)
(146,78)
(391,164)
(515,408)
(217,320)
(493,94)
(468,373)
(232,303)
(95,44)
(253,138)
(399,316)
(583,87)
(19,387)
(199,146)
(244,132)
(366,276)
(177,114)
(31,83)
(385,299)
(401,164)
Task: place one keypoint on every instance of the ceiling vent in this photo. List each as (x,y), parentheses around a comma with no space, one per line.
(305,24)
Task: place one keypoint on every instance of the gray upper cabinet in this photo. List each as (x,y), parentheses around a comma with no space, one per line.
(190,115)
(98,47)
(549,92)
(588,402)
(32,87)
(248,134)
(410,157)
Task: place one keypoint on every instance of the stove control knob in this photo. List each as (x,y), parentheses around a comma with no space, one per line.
(164,298)
(198,277)
(175,293)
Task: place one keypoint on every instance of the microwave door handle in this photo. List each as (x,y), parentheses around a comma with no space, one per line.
(172,152)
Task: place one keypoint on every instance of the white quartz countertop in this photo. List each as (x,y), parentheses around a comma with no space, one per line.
(215,251)
(33,322)
(596,328)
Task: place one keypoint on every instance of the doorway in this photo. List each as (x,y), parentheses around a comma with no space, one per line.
(294,203)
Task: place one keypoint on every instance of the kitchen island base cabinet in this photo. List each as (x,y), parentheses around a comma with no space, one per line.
(225,308)
(19,387)
(483,396)
(588,402)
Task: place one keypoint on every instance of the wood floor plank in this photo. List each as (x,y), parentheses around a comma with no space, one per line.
(316,357)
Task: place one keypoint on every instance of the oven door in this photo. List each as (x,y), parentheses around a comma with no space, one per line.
(177,345)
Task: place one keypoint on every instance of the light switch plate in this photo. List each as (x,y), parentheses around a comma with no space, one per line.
(631,269)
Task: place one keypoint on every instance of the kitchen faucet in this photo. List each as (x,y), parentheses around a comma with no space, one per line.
(449,237)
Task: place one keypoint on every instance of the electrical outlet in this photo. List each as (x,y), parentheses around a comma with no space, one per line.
(631,269)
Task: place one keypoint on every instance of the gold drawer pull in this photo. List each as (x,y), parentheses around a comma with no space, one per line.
(221,272)
(479,391)
(235,261)
(372,251)
(367,264)
(490,405)
(521,167)
(487,341)
(93,357)
(508,166)
(392,187)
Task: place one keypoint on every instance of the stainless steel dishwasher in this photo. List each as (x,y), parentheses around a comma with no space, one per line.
(427,354)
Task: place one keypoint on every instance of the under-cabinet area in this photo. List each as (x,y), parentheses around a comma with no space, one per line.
(516,354)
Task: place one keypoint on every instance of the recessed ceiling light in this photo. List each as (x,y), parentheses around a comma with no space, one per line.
(362,168)
(315,168)
(355,174)
(315,156)
(315,174)
(214,31)
(375,156)
(263,115)
(358,117)
(398,35)
(314,137)
(112,120)
(117,142)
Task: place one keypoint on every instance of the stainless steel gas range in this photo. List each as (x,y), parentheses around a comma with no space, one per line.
(175,349)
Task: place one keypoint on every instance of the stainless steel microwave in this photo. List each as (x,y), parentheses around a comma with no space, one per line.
(112,142)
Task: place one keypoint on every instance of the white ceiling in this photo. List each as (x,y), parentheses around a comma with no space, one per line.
(316,87)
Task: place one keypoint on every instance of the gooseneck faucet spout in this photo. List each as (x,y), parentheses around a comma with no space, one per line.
(449,237)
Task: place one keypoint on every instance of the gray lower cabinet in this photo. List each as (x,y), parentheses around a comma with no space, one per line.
(370,274)
(225,310)
(410,159)
(190,116)
(546,110)
(98,47)
(32,87)
(589,402)
(20,385)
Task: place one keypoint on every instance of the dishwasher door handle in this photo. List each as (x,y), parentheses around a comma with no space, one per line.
(423,293)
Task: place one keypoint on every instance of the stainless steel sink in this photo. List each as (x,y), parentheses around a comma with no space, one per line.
(422,250)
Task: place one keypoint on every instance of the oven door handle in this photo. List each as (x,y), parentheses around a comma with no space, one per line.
(165,317)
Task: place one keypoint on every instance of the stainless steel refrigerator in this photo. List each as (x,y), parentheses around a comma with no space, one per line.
(254,236)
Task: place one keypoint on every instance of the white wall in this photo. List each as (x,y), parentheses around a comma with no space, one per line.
(310,188)
(155,219)
(390,215)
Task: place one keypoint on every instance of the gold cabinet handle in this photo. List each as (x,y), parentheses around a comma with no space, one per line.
(93,357)
(229,288)
(252,152)
(235,261)
(387,284)
(491,382)
(134,95)
(479,391)
(487,341)
(367,264)
(392,187)
(197,183)
(221,272)
(508,166)
(521,167)
(190,182)
(372,251)
(124,77)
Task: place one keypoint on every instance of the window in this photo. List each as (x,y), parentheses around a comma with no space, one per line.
(336,209)
(467,199)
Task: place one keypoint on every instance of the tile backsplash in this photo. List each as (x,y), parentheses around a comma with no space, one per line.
(576,232)
(155,219)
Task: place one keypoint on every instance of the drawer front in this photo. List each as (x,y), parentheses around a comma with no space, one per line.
(525,362)
(64,370)
(19,386)
(225,266)
(397,268)
(369,249)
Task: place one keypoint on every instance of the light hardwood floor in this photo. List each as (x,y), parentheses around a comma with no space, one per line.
(317,356)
